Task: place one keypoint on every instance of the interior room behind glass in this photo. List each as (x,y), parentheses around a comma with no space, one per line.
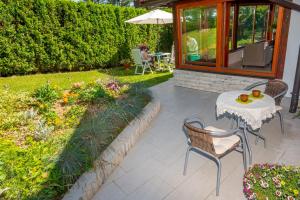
(252,35)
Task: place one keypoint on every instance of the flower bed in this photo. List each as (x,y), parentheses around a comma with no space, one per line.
(270,182)
(49,137)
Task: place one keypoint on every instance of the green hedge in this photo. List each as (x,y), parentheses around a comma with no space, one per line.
(63,35)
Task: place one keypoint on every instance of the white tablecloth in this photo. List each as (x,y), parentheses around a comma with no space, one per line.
(253,113)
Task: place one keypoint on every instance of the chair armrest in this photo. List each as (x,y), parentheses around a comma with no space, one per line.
(280,94)
(219,134)
(195,120)
(254,85)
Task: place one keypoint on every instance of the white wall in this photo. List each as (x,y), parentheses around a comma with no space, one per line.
(292,49)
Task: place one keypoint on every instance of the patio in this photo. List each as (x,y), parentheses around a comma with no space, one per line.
(153,168)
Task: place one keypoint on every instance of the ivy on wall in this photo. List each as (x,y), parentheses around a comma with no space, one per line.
(63,35)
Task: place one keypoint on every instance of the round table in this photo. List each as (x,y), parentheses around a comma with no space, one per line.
(250,115)
(253,113)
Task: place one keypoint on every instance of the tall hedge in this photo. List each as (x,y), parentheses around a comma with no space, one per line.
(63,35)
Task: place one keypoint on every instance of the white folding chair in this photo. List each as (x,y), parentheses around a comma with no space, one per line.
(169,61)
(139,62)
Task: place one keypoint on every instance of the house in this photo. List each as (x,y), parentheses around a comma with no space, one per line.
(227,44)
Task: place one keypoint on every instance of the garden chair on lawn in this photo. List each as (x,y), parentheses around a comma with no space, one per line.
(212,142)
(139,62)
(169,61)
(276,89)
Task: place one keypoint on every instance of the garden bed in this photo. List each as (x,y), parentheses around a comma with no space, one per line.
(49,137)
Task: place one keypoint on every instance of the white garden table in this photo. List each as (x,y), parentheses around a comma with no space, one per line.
(250,116)
(159,56)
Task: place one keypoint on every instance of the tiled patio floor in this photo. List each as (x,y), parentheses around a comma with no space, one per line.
(153,168)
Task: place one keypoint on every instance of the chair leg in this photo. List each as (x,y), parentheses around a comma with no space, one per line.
(186,159)
(247,144)
(258,136)
(150,68)
(281,122)
(144,67)
(218,177)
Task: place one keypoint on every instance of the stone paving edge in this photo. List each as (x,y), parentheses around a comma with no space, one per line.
(90,182)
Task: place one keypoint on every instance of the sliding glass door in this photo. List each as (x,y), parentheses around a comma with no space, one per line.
(199,35)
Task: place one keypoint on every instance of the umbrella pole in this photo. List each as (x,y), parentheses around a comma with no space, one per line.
(157,48)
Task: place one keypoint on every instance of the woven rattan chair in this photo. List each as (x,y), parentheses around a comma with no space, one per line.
(212,142)
(276,89)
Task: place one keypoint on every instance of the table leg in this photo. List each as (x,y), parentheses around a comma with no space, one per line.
(243,126)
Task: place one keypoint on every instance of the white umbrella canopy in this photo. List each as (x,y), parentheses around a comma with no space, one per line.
(154,17)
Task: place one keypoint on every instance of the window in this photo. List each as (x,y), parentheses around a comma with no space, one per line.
(230,37)
(199,35)
(252,24)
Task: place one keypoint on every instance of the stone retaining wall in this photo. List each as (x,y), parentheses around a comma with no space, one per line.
(211,82)
(90,182)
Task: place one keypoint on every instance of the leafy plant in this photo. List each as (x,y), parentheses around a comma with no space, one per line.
(266,181)
(74,115)
(42,130)
(125,61)
(46,94)
(91,92)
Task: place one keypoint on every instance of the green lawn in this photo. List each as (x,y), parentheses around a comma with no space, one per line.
(52,133)
(65,80)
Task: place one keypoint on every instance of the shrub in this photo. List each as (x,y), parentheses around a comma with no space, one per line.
(272,182)
(64,35)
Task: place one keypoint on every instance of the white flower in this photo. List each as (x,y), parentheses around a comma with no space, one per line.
(278,193)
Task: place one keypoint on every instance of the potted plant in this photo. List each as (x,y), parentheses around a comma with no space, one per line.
(126,63)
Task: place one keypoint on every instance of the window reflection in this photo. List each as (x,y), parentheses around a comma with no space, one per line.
(199,35)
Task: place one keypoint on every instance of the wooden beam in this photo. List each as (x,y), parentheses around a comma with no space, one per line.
(270,22)
(176,31)
(156,3)
(226,21)
(287,4)
(282,33)
(235,26)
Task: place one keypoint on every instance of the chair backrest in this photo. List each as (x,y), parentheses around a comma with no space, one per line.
(255,54)
(137,57)
(276,87)
(200,138)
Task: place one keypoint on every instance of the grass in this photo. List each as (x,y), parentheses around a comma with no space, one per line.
(64,80)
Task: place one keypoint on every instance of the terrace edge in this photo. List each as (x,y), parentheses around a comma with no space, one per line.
(89,183)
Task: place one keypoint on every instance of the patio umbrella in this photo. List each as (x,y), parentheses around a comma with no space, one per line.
(153,17)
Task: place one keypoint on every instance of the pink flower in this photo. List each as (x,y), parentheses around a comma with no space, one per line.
(290,198)
(113,86)
(252,196)
(248,186)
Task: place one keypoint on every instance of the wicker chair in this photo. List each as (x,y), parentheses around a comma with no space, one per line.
(276,89)
(214,143)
